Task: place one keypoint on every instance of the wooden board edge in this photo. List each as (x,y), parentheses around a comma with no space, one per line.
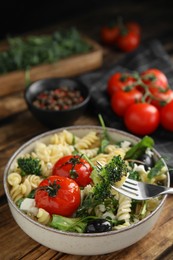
(72,66)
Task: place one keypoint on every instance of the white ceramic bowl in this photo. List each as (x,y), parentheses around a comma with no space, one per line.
(75,243)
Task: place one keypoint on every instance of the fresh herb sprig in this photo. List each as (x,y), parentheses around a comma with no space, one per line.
(102,180)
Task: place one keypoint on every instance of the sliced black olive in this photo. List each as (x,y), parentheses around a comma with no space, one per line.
(98,226)
(147,160)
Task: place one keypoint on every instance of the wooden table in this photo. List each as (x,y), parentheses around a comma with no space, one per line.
(17,126)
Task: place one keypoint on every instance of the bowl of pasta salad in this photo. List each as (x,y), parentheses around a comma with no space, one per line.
(60,199)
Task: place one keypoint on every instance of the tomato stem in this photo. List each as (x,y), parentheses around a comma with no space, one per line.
(51,189)
(74,161)
(121,25)
(148,96)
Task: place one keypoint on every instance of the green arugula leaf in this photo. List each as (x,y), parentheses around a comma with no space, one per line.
(156,169)
(138,149)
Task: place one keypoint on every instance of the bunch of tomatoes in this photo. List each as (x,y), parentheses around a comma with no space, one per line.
(144,100)
(125,36)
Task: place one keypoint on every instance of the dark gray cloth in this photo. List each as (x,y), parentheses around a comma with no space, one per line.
(148,55)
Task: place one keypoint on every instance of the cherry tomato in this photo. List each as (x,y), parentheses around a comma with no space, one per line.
(155,78)
(166,116)
(128,40)
(121,100)
(160,96)
(109,34)
(75,168)
(58,195)
(119,80)
(134,26)
(142,118)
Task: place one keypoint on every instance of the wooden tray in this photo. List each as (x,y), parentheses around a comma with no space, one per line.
(15,81)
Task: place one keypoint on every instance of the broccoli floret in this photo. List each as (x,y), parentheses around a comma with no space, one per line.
(109,175)
(29,166)
(102,180)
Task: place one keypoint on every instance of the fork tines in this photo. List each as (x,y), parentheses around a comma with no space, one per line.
(99,166)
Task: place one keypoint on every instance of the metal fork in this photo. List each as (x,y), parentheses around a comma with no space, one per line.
(139,190)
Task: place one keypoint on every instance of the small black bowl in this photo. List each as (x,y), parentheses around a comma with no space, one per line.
(60,118)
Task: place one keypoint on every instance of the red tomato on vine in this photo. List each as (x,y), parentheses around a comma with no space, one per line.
(134,27)
(124,35)
(166,116)
(121,100)
(155,78)
(109,34)
(160,96)
(128,40)
(142,118)
(118,81)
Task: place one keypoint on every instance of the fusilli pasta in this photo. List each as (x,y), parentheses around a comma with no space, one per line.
(64,137)
(88,141)
(124,208)
(43,216)
(14,178)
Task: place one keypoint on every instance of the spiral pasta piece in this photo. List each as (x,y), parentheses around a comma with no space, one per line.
(64,137)
(87,141)
(16,193)
(23,189)
(103,158)
(51,153)
(42,152)
(124,208)
(26,188)
(33,179)
(14,178)
(46,168)
(120,226)
(43,216)
(90,153)
(114,150)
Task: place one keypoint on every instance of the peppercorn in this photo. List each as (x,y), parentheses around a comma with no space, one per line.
(58,99)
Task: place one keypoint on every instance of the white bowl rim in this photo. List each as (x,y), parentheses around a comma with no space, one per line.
(102,234)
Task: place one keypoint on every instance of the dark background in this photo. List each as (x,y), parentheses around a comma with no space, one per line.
(19,17)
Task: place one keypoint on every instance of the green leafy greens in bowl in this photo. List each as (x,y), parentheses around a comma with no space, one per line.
(35,50)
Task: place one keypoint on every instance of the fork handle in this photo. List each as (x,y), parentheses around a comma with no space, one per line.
(168,191)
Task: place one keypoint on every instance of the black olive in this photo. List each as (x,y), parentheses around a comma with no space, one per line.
(98,226)
(147,160)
